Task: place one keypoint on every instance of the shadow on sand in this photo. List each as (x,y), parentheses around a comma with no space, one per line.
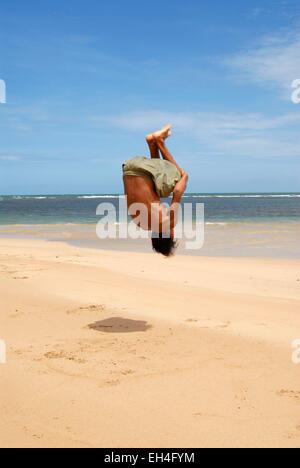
(120,325)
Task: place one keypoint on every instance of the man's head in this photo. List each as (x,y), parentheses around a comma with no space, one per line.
(164,245)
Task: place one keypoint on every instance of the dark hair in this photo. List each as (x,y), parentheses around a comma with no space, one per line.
(163,245)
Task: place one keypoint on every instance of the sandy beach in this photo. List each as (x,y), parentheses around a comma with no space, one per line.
(116,349)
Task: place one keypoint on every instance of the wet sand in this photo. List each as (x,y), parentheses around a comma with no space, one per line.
(231,239)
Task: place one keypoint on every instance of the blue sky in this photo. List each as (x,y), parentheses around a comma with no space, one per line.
(87,80)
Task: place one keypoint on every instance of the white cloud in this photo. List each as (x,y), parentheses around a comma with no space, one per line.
(233,134)
(196,122)
(275,60)
(9,158)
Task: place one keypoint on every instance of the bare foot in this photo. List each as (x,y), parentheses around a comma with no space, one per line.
(163,134)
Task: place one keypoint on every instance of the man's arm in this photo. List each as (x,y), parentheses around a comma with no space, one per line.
(169,221)
(178,193)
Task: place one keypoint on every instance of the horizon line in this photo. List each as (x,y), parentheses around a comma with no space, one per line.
(117,193)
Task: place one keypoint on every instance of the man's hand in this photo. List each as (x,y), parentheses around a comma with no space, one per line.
(181,186)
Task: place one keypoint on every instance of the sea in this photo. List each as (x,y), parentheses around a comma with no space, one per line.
(239,224)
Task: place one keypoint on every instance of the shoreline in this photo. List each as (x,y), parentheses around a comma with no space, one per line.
(229,239)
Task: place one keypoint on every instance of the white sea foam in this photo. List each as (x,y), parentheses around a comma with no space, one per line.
(118,197)
(53,197)
(100,196)
(245,196)
(19,197)
(215,224)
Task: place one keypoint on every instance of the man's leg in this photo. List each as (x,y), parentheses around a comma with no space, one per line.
(151,139)
(154,151)
(166,153)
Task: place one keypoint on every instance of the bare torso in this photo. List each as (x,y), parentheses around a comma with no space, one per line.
(141,190)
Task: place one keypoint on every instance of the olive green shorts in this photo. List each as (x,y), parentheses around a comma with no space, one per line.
(164,174)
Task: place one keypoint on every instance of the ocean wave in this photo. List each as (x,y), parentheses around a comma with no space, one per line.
(215,224)
(245,196)
(58,197)
(87,197)
(106,196)
(19,197)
